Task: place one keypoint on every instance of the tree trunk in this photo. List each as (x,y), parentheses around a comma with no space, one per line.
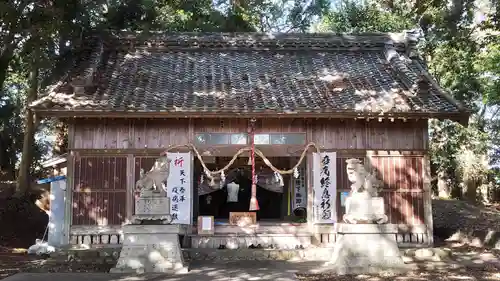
(23,180)
(3,74)
(5,57)
(471,191)
(444,190)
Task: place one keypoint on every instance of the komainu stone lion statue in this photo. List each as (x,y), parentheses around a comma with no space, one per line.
(363,204)
(362,181)
(154,179)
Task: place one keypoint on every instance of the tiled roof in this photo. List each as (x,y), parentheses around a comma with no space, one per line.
(188,74)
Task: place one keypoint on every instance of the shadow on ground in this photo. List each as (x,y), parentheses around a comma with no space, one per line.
(466,263)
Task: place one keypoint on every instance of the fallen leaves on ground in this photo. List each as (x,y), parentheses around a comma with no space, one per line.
(468,263)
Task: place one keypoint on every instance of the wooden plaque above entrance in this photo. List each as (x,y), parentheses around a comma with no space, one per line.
(242,218)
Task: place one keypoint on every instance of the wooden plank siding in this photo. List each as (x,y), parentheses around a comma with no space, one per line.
(100,190)
(402,186)
(125,134)
(369,135)
(329,134)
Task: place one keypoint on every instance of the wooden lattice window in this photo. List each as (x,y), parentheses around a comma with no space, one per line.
(100,190)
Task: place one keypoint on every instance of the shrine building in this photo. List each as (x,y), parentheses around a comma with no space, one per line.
(212,101)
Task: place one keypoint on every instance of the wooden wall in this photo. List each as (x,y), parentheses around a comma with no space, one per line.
(123,134)
(369,135)
(99,194)
(100,178)
(100,190)
(403,186)
(331,134)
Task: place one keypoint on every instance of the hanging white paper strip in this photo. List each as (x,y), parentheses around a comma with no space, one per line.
(299,189)
(324,187)
(232,192)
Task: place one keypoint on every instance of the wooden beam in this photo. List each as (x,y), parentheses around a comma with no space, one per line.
(268,150)
(130,186)
(456,116)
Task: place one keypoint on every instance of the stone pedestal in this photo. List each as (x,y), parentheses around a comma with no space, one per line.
(361,208)
(365,249)
(150,249)
(153,207)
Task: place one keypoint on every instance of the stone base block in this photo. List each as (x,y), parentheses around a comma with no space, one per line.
(150,249)
(363,252)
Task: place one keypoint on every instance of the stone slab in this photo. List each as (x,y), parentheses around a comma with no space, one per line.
(366,228)
(150,249)
(278,241)
(365,206)
(153,229)
(152,206)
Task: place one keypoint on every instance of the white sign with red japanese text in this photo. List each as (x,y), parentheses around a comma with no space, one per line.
(325,187)
(179,187)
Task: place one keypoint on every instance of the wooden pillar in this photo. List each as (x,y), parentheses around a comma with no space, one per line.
(309,185)
(130,186)
(68,206)
(70,183)
(285,197)
(310,190)
(194,193)
(191,130)
(426,176)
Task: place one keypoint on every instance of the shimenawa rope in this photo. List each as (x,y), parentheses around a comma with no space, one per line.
(210,174)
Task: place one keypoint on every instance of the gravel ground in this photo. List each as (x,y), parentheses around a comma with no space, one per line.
(464,229)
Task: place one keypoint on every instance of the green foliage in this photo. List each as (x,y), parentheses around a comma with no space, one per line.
(462,53)
(464,56)
(42,36)
(356,17)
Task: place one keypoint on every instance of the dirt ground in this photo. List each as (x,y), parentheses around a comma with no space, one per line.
(466,262)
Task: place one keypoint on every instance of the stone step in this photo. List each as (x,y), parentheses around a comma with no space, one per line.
(278,241)
(87,255)
(110,255)
(216,255)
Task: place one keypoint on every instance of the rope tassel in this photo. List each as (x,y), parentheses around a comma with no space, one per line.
(254,204)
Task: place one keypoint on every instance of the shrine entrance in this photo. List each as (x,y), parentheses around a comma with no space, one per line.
(233,194)
(282,200)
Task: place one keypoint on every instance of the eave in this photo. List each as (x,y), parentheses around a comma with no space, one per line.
(461,117)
